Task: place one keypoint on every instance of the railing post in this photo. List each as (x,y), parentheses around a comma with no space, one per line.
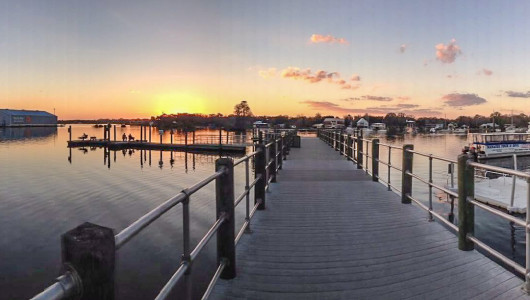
(259,165)
(272,166)
(466,212)
(89,252)
(348,147)
(281,152)
(360,151)
(406,180)
(375,160)
(224,195)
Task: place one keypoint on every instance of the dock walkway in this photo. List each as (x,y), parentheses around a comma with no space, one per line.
(329,232)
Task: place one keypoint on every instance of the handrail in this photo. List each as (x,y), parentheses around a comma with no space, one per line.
(356,152)
(69,284)
(130,231)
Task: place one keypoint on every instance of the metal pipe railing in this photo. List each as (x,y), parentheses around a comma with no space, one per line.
(463,223)
(70,285)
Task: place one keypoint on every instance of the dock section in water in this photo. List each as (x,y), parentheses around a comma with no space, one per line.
(143,145)
(330,232)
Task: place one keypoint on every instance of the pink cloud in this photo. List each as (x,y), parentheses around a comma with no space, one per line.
(485,72)
(459,100)
(318,38)
(447,53)
(408,109)
(402,48)
(355,77)
(318,76)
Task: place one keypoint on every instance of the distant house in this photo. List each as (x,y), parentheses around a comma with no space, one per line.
(362,123)
(20,118)
(333,123)
(487,126)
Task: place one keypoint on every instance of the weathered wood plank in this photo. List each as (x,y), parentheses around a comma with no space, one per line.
(330,232)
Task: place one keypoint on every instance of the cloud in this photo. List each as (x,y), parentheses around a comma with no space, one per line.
(270,72)
(320,75)
(486,72)
(409,109)
(447,53)
(518,94)
(369,97)
(402,48)
(403,98)
(458,100)
(355,77)
(318,38)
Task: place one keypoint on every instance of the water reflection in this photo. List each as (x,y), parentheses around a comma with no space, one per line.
(190,159)
(24,133)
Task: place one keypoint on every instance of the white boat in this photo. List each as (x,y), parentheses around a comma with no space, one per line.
(462,130)
(501,144)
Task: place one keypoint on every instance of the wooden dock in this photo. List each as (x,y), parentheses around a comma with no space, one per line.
(329,232)
(139,145)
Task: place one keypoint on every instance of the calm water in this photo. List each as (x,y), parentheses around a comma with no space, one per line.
(46,190)
(44,193)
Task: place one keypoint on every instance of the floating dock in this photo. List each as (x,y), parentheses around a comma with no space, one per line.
(144,145)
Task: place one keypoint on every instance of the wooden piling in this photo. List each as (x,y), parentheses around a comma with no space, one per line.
(375,160)
(114,132)
(224,194)
(89,252)
(466,212)
(259,170)
(406,180)
(141,133)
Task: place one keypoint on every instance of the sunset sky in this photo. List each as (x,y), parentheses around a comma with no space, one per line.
(96,59)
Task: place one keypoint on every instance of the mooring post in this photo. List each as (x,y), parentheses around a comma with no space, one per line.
(141,133)
(466,211)
(114,132)
(375,160)
(406,180)
(150,129)
(259,170)
(88,252)
(186,138)
(171,137)
(360,150)
(220,136)
(70,133)
(224,195)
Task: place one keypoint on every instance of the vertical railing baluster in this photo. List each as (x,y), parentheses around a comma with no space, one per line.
(406,180)
(247,197)
(366,158)
(375,160)
(360,150)
(430,188)
(527,246)
(389,166)
(186,259)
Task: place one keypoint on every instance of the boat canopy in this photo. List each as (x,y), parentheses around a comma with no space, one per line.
(495,138)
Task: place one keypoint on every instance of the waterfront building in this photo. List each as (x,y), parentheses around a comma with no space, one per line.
(20,118)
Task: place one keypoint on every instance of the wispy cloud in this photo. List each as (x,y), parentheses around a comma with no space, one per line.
(459,100)
(518,94)
(312,77)
(402,48)
(485,72)
(318,38)
(408,109)
(270,72)
(447,53)
(369,97)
